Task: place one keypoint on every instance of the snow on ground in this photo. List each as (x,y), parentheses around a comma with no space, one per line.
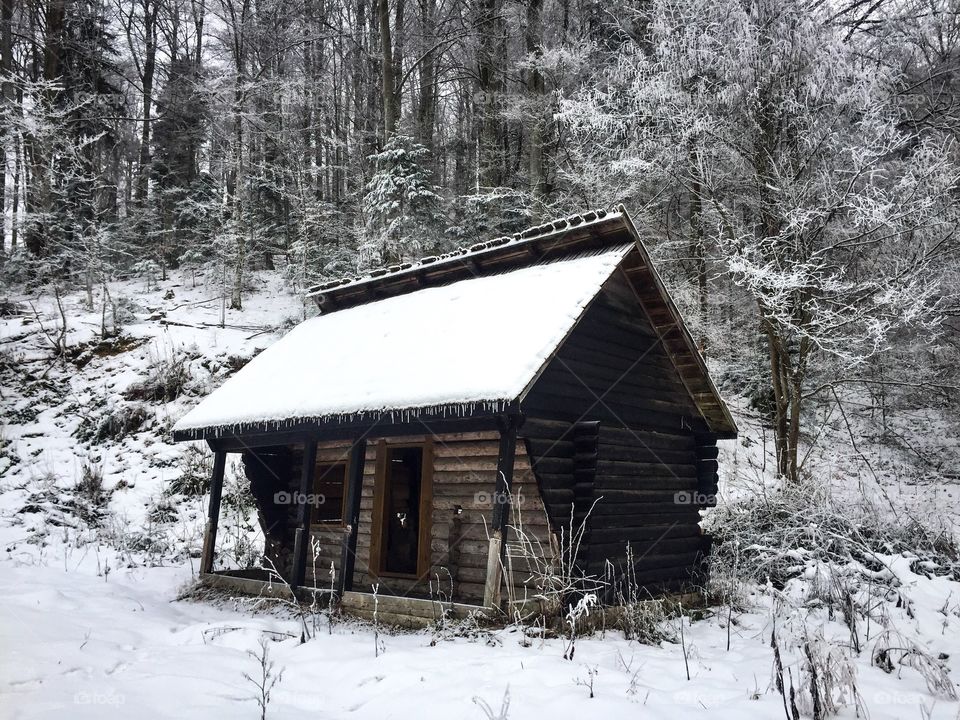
(81,645)
(91,625)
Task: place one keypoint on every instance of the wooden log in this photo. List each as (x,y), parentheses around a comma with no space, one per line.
(617,551)
(352,515)
(492,579)
(708,452)
(213,512)
(634,469)
(672,529)
(548,405)
(610,434)
(597,367)
(641,452)
(607,483)
(547,429)
(605,507)
(556,448)
(686,514)
(301,539)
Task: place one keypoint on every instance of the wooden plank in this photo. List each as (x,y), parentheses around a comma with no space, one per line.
(302,537)
(213,512)
(352,515)
(425,509)
(379,500)
(241,438)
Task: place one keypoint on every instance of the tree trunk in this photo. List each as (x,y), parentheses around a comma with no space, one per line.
(14,220)
(399,39)
(199,10)
(149,67)
(387,72)
(537,172)
(7,102)
(427,105)
(490,157)
(697,251)
(39,195)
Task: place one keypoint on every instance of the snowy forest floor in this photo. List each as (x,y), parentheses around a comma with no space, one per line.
(101,522)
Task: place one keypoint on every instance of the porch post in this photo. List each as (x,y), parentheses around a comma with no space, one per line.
(501,512)
(213,511)
(302,539)
(351,517)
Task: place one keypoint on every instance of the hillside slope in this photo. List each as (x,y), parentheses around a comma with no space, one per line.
(101,521)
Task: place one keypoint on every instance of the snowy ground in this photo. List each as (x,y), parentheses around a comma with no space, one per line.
(91,627)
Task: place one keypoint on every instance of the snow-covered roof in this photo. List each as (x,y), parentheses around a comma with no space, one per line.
(478,342)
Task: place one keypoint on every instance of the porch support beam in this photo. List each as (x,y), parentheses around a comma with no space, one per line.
(213,512)
(501,511)
(302,538)
(351,516)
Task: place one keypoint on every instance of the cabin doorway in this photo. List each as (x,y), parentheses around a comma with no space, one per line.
(403,520)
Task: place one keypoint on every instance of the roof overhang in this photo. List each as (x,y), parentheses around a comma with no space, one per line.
(591,232)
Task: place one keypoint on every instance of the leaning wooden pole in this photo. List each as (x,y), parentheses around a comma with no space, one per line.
(302,538)
(213,512)
(351,517)
(501,512)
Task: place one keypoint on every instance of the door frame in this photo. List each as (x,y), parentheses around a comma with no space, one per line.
(378,528)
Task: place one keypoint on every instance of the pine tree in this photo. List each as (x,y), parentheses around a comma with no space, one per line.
(401,206)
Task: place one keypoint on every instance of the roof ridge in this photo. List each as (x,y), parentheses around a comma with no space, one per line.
(550,227)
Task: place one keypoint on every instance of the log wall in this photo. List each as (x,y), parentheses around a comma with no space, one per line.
(464,480)
(613,432)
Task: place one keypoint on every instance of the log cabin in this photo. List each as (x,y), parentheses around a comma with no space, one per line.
(470,426)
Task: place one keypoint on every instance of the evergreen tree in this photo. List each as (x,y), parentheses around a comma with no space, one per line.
(402,207)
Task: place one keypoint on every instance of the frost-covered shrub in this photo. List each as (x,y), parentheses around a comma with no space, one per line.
(646,621)
(18,268)
(90,485)
(84,505)
(223,366)
(124,311)
(790,532)
(242,542)
(9,308)
(116,424)
(195,468)
(8,454)
(828,679)
(893,650)
(165,381)
(162,511)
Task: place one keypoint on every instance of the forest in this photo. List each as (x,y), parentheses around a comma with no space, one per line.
(793,163)
(180,175)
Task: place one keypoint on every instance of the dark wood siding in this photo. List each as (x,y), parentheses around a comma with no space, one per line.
(648,468)
(612,369)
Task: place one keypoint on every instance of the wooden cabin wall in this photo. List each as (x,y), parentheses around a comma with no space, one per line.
(464,477)
(326,539)
(611,427)
(274,469)
(613,368)
(270,470)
